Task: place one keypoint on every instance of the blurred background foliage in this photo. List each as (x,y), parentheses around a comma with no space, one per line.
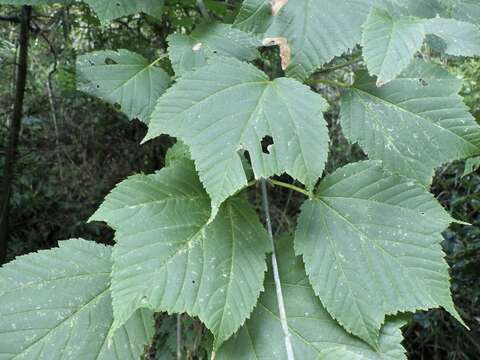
(75,148)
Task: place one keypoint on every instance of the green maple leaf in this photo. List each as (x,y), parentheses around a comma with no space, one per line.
(219,117)
(169,258)
(57,304)
(413,124)
(314,334)
(371,245)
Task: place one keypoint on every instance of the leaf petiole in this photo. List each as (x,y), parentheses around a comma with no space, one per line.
(291,187)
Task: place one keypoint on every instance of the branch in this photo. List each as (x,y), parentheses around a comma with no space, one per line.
(179,336)
(203,9)
(276,274)
(333,83)
(11,18)
(14,131)
(355,60)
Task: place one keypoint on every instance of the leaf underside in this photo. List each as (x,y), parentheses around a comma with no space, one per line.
(110,10)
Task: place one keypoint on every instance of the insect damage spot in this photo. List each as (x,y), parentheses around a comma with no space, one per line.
(267,143)
(197,46)
(277,5)
(285,52)
(110,61)
(380,83)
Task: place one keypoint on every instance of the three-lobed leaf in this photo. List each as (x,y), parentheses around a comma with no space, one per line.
(56,304)
(413,124)
(314,334)
(169,258)
(219,117)
(371,245)
(122,78)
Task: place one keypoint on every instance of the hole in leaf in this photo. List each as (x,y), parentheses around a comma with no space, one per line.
(267,143)
(423,82)
(110,61)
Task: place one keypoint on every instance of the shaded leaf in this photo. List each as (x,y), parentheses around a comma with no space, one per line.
(471,165)
(178,151)
(108,10)
(124,78)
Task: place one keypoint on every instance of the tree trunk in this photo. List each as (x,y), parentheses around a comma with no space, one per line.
(14,130)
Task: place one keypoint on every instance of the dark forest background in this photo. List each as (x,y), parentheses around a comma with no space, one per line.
(74,148)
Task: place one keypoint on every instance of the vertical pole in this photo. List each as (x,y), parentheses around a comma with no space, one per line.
(276,274)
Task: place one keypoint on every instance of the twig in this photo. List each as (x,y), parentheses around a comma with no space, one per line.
(203,9)
(10,18)
(284,212)
(355,60)
(276,274)
(328,82)
(179,337)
